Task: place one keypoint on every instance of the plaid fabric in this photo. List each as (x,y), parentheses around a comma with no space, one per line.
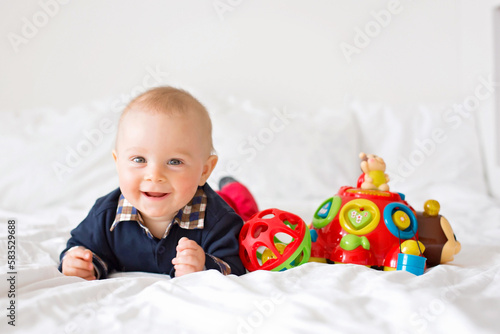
(127,212)
(192,216)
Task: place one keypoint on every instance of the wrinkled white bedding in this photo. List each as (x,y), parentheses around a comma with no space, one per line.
(462,296)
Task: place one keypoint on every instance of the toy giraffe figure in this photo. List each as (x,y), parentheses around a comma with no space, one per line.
(374,169)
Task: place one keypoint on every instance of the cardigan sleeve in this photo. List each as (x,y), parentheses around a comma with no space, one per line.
(91,234)
(221,245)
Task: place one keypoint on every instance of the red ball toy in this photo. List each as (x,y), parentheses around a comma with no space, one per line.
(274,240)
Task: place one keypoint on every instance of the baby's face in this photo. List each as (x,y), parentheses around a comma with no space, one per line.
(161,160)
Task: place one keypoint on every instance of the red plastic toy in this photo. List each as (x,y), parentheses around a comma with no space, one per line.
(274,240)
(378,228)
(367,227)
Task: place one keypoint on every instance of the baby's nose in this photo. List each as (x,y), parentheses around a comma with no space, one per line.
(155,174)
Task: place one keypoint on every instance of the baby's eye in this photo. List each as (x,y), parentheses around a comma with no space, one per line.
(174,162)
(139,160)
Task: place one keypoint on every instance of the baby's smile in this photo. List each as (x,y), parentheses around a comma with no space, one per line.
(155,195)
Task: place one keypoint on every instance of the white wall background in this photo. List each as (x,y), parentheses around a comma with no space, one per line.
(274,53)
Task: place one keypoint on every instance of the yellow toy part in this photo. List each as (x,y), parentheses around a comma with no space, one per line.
(401,220)
(378,177)
(411,247)
(317,259)
(359,216)
(268,254)
(431,208)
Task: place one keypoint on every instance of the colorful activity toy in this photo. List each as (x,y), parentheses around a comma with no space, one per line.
(372,226)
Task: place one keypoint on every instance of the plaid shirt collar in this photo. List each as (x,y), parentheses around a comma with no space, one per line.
(192,216)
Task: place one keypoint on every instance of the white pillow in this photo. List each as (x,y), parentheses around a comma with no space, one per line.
(422,145)
(55,158)
(285,155)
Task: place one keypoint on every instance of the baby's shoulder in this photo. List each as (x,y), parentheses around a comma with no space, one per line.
(107,203)
(217,209)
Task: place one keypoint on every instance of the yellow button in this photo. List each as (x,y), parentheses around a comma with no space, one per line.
(401,220)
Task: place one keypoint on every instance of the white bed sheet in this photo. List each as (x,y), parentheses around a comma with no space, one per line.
(462,296)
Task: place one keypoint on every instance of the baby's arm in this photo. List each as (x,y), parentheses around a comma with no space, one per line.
(78,262)
(190,257)
(221,245)
(218,250)
(90,238)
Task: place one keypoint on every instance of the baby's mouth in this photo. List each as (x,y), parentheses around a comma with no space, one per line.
(155,194)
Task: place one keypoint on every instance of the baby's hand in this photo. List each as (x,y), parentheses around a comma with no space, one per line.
(190,257)
(78,262)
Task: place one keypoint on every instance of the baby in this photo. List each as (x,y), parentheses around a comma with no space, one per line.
(164,217)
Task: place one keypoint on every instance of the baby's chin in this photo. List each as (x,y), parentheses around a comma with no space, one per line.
(158,217)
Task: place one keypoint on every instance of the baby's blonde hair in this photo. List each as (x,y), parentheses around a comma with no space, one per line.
(171,101)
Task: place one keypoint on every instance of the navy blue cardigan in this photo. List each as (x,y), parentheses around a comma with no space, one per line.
(128,248)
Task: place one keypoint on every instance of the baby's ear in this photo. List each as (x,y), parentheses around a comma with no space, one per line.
(208,167)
